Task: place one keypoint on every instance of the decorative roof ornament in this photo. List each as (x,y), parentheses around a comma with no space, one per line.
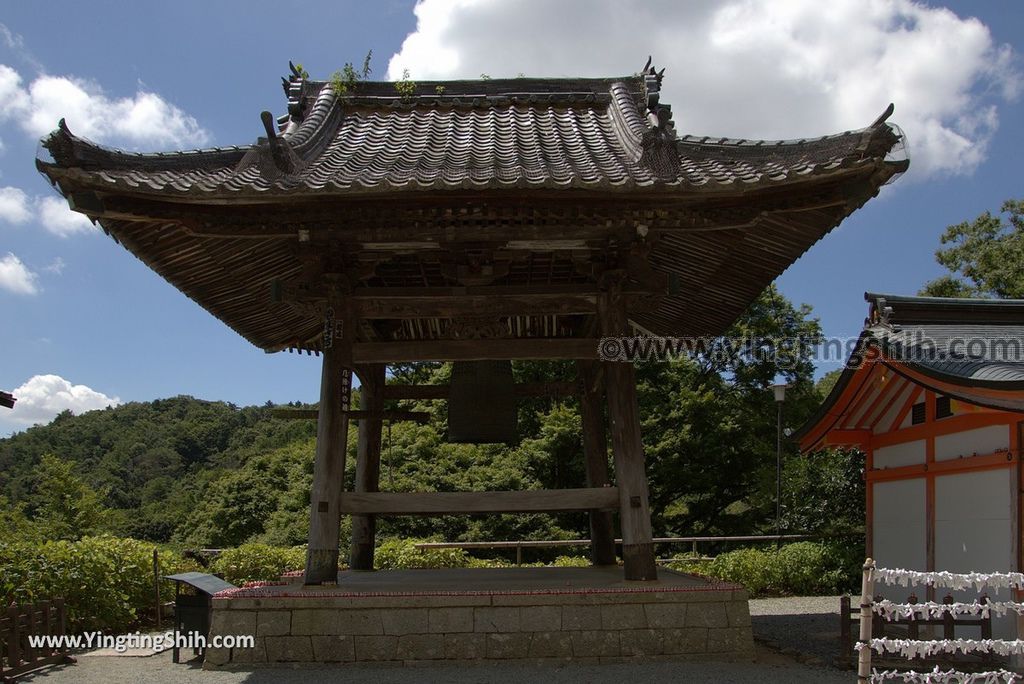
(659,141)
(293,89)
(273,155)
(659,115)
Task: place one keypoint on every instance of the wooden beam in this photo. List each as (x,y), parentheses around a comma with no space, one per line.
(525,389)
(858,438)
(328,469)
(627,447)
(371,400)
(480,305)
(595,454)
(475,350)
(443,503)
(421,417)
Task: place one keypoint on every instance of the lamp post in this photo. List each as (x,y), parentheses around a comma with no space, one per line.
(780,398)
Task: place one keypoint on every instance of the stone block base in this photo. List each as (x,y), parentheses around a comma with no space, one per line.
(541,619)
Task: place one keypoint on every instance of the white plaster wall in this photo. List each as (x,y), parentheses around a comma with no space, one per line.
(908,453)
(898,529)
(981,441)
(974,532)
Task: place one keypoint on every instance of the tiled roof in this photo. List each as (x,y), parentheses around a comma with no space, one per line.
(599,134)
(727,216)
(971,349)
(972,342)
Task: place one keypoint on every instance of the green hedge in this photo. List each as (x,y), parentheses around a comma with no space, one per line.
(106,582)
(402,554)
(257,562)
(802,569)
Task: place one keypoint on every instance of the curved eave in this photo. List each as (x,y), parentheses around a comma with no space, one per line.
(832,409)
(78,179)
(1003,395)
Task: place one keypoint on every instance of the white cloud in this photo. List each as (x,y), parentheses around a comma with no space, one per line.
(16,277)
(144,120)
(42,397)
(748,68)
(56,266)
(57,217)
(13,99)
(14,205)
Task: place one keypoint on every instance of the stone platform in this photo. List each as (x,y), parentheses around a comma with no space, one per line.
(416,616)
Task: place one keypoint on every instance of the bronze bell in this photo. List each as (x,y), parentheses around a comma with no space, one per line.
(482,403)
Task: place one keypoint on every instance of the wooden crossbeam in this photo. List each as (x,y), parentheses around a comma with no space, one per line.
(448,306)
(475,350)
(525,389)
(421,417)
(442,503)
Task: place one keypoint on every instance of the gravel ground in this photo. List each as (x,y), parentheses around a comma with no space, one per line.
(806,627)
(769,668)
(800,635)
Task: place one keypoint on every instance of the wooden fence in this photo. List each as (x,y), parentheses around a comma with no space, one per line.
(692,542)
(17,624)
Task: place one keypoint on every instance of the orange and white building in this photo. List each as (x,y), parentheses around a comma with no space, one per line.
(933,396)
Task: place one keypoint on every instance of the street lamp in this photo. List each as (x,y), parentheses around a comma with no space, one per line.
(780,398)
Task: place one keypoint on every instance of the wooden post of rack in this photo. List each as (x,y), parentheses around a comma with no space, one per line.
(867,591)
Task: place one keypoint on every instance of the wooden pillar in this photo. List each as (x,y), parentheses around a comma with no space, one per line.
(328,470)
(371,398)
(595,453)
(627,447)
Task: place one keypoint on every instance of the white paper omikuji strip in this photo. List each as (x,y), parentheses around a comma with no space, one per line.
(911,648)
(931,609)
(948,677)
(951,580)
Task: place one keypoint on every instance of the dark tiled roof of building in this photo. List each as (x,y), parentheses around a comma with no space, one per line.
(597,134)
(540,159)
(966,346)
(972,342)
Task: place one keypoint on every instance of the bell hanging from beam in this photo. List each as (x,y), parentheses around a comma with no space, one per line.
(482,403)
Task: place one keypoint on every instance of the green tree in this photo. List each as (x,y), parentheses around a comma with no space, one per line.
(985,256)
(63,504)
(710,421)
(826,382)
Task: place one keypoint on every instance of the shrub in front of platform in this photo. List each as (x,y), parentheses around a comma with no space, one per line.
(799,569)
(106,582)
(402,554)
(258,562)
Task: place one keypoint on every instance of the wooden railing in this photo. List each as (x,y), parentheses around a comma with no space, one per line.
(693,542)
(17,624)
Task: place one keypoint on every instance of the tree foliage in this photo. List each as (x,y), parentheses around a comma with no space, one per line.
(984,256)
(209,474)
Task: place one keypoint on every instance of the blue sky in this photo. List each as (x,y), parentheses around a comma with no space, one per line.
(89,323)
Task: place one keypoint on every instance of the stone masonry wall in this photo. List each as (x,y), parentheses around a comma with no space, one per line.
(412,629)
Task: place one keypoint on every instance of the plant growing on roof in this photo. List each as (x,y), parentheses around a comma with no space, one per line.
(406,87)
(345,79)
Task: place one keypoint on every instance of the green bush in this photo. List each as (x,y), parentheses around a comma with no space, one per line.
(106,582)
(803,568)
(257,562)
(402,554)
